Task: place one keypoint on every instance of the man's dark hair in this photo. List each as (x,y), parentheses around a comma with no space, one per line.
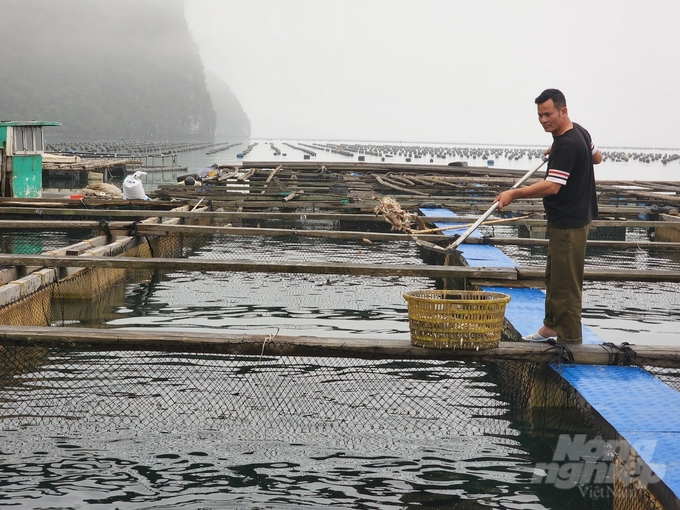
(558,98)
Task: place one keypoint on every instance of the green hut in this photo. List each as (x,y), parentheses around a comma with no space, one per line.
(22,144)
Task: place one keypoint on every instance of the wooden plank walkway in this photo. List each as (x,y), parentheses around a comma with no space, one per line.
(280,345)
(175,264)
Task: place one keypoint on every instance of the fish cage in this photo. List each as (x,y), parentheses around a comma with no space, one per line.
(451,429)
(159,362)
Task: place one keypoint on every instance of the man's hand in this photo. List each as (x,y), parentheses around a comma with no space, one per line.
(505,198)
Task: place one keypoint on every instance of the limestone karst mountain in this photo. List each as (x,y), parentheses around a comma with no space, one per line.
(108,68)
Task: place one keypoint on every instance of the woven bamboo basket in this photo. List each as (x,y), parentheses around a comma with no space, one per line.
(453,319)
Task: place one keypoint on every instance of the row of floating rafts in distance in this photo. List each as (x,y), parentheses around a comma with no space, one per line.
(410,153)
(340,149)
(620,156)
(222,148)
(122,147)
(307,153)
(485,153)
(317,147)
(246,150)
(496,153)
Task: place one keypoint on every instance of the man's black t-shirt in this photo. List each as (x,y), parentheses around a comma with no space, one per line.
(570,164)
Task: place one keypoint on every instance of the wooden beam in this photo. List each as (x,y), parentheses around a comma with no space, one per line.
(163,229)
(607,275)
(57,225)
(428,271)
(174,264)
(236,200)
(280,345)
(225,215)
(591,243)
(254,215)
(384,182)
(429,234)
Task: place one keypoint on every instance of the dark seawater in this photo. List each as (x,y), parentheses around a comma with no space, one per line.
(153,430)
(374,307)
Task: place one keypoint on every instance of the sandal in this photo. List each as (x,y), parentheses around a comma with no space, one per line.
(536,337)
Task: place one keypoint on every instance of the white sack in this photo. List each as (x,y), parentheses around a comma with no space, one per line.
(133,189)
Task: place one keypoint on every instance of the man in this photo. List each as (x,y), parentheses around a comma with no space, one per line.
(570,202)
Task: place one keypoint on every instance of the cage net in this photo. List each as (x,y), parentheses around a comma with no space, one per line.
(336,402)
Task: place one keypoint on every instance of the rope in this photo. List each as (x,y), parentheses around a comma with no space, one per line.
(268,338)
(562,352)
(145,236)
(104,225)
(620,354)
(150,245)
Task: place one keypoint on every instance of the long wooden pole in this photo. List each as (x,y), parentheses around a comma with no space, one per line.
(430,271)
(281,345)
(174,264)
(252,215)
(128,228)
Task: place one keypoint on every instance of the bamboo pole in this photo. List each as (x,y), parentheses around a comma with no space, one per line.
(385,182)
(401,178)
(655,196)
(260,216)
(429,271)
(163,228)
(173,264)
(281,345)
(591,243)
(269,178)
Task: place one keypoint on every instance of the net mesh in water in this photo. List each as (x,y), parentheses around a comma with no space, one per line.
(81,391)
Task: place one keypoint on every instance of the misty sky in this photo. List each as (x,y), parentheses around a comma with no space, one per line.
(446,71)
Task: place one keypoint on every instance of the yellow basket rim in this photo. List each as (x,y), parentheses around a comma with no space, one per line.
(497,297)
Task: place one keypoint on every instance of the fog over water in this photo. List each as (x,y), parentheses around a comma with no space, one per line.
(444,71)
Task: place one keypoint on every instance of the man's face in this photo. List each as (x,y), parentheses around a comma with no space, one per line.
(553,120)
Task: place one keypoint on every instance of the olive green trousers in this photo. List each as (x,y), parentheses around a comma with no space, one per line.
(564,282)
